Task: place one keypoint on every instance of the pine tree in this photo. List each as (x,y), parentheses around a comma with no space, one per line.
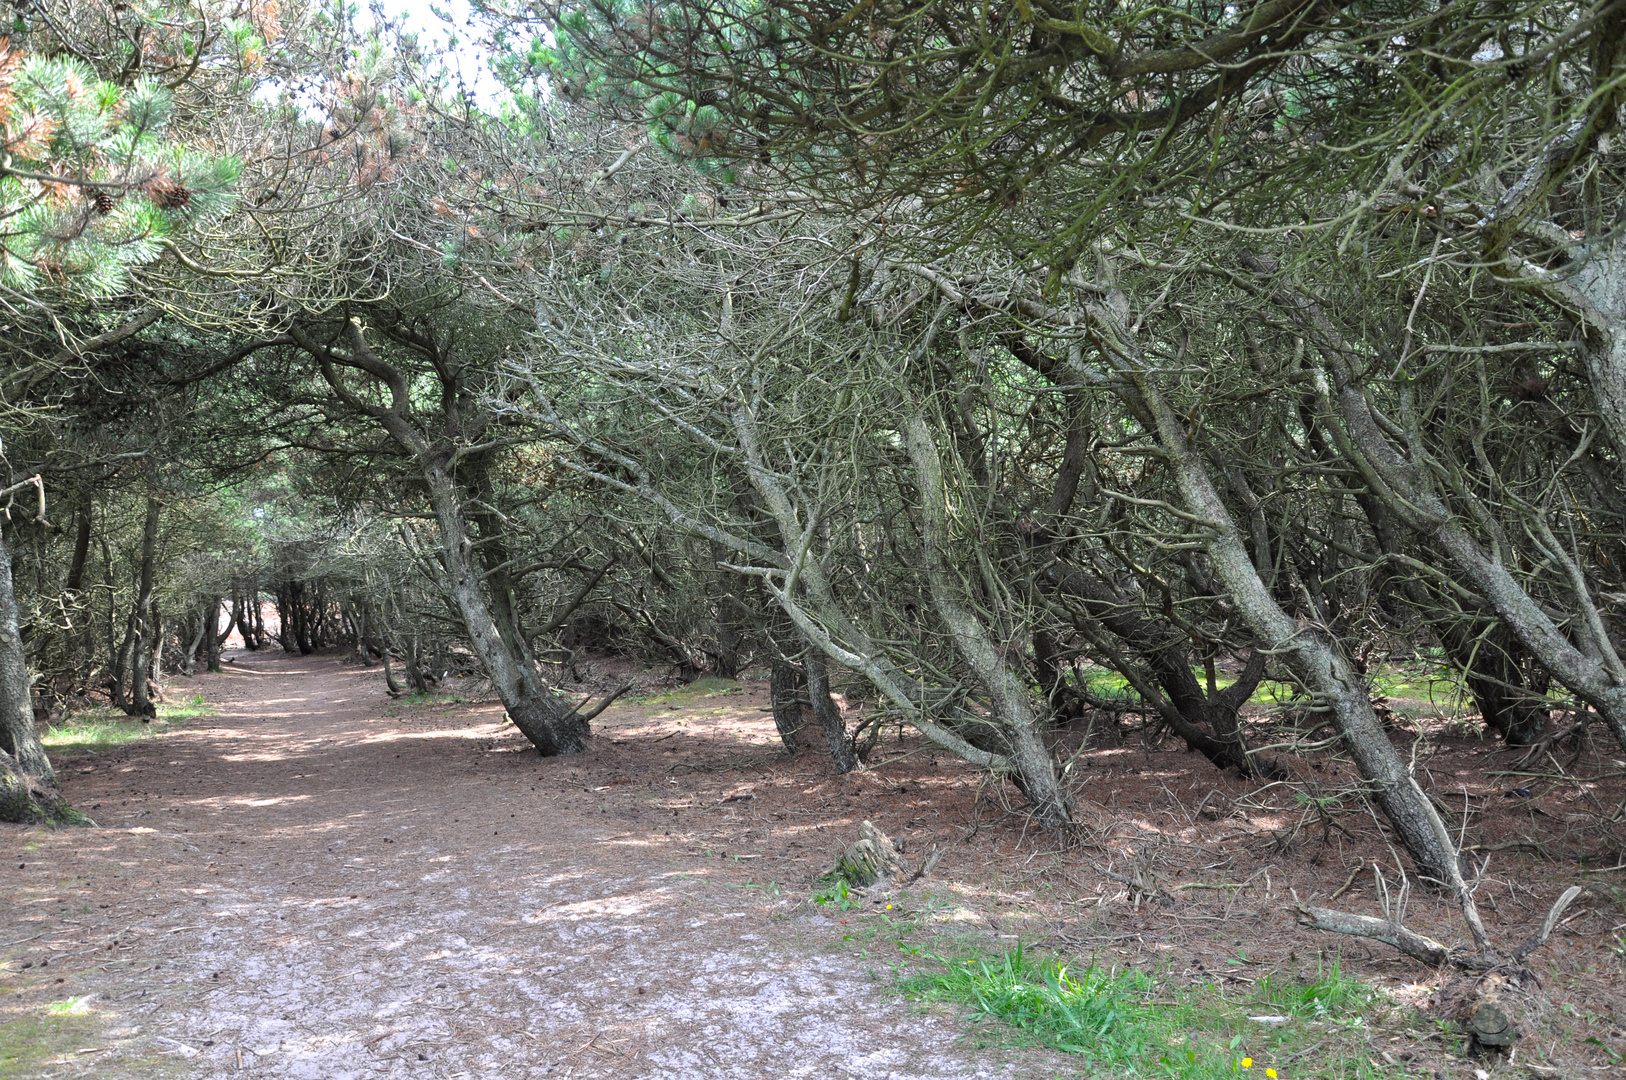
(90,184)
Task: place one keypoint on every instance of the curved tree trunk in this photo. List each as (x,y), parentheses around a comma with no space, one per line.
(1318,666)
(540,716)
(1019,726)
(414,666)
(1589,666)
(189,657)
(1163,678)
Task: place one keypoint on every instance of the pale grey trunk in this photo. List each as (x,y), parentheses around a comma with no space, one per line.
(189,660)
(1596,283)
(19,738)
(146,633)
(826,626)
(390,683)
(550,727)
(1595,673)
(414,666)
(1318,666)
(1018,726)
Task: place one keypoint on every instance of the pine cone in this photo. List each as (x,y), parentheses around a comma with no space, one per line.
(105,201)
(166,194)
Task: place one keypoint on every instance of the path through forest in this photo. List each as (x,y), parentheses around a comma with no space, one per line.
(317,882)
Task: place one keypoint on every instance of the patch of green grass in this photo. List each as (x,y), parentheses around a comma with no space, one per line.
(1330,995)
(169,712)
(93,732)
(1080,1011)
(28,1043)
(705,686)
(1126,1023)
(1106,683)
(103,727)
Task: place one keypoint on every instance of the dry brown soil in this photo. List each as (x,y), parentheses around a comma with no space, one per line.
(319,882)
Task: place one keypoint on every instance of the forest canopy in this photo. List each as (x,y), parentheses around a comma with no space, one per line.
(945,354)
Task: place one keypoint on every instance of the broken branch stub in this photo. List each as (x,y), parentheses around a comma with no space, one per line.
(1556,912)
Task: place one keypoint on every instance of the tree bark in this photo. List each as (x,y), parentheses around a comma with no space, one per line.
(1316,663)
(414,666)
(19,738)
(530,702)
(390,685)
(540,716)
(81,544)
(211,640)
(1596,674)
(785,687)
(1018,725)
(257,620)
(189,658)
(146,636)
(826,715)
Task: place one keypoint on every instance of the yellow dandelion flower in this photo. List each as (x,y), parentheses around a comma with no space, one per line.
(1271,1073)
(1247,1063)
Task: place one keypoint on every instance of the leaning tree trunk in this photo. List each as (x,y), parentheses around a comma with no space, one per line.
(1321,669)
(1012,710)
(1595,674)
(414,666)
(390,684)
(189,658)
(539,715)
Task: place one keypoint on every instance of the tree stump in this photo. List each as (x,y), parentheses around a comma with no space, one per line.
(1487,1010)
(868,861)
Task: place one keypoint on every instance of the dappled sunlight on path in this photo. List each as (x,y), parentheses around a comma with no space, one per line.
(316,882)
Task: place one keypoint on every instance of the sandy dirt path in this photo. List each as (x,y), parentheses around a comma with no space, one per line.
(317,883)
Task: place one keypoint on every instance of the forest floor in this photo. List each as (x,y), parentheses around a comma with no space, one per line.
(316,881)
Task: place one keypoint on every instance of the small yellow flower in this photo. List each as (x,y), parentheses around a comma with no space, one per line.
(1247,1063)
(1271,1073)
(889,907)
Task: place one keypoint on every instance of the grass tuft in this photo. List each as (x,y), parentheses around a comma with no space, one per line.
(1073,1011)
(1331,994)
(1124,1023)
